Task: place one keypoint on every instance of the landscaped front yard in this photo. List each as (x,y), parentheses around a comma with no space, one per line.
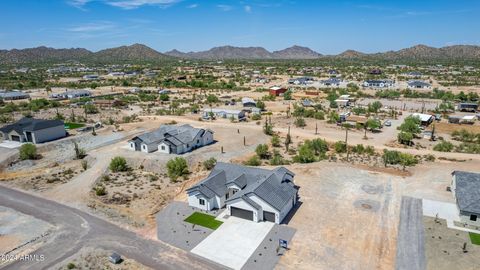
(204,220)
(475,238)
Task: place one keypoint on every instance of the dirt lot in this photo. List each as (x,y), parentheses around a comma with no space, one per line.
(17,229)
(347,220)
(90,258)
(444,247)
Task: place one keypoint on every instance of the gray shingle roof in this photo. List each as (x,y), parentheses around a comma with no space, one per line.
(31,124)
(268,185)
(214,184)
(467,191)
(176,135)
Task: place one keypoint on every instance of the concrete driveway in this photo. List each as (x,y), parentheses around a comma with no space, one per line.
(233,242)
(445,210)
(10,144)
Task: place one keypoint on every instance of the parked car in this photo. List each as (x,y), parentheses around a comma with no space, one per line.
(387,123)
(115,258)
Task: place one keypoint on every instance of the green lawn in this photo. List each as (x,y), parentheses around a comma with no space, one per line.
(204,220)
(475,238)
(69,125)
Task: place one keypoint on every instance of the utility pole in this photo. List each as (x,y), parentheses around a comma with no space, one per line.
(244,141)
(316,128)
(346,141)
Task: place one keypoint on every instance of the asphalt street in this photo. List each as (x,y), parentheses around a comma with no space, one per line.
(77,229)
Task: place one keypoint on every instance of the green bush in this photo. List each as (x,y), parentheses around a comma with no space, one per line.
(340,147)
(100,190)
(256,116)
(71,266)
(253,161)
(118,164)
(444,146)
(28,151)
(405,138)
(305,154)
(300,122)
(209,163)
(262,151)
(277,159)
(177,167)
(275,141)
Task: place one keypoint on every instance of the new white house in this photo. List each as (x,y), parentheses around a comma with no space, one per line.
(171,139)
(247,192)
(466,191)
(33,130)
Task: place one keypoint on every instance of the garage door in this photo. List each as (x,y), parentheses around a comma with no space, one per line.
(269,216)
(15,138)
(241,213)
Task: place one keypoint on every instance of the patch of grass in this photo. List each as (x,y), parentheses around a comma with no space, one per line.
(475,238)
(69,125)
(204,220)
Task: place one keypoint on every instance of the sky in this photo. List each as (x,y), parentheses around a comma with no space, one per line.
(328,27)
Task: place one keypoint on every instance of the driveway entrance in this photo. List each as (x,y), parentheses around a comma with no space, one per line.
(233,242)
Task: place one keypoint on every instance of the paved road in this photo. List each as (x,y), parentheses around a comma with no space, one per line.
(411,236)
(77,229)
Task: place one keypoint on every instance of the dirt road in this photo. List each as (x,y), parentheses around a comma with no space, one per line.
(77,229)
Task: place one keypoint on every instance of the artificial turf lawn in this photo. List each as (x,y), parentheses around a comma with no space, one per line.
(69,125)
(204,220)
(475,238)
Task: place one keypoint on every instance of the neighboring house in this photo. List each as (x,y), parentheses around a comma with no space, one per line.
(13,95)
(33,130)
(72,94)
(277,91)
(415,84)
(108,103)
(425,119)
(301,81)
(91,77)
(331,82)
(164,91)
(171,139)
(246,192)
(248,102)
(379,83)
(467,107)
(466,191)
(224,113)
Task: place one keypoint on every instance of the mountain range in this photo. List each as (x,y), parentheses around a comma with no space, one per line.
(140,52)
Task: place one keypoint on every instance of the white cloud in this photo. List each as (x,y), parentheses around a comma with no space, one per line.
(132,4)
(125,4)
(248,9)
(192,6)
(224,7)
(91,27)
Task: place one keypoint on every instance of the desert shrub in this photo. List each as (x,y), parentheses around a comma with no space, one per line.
(305,153)
(277,159)
(262,151)
(405,138)
(443,146)
(340,147)
(253,161)
(28,151)
(71,266)
(391,157)
(300,122)
(256,116)
(209,163)
(84,165)
(118,164)
(100,190)
(275,141)
(176,168)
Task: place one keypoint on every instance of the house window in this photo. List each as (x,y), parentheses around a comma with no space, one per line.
(226,196)
(198,141)
(163,147)
(234,191)
(201,201)
(144,147)
(473,217)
